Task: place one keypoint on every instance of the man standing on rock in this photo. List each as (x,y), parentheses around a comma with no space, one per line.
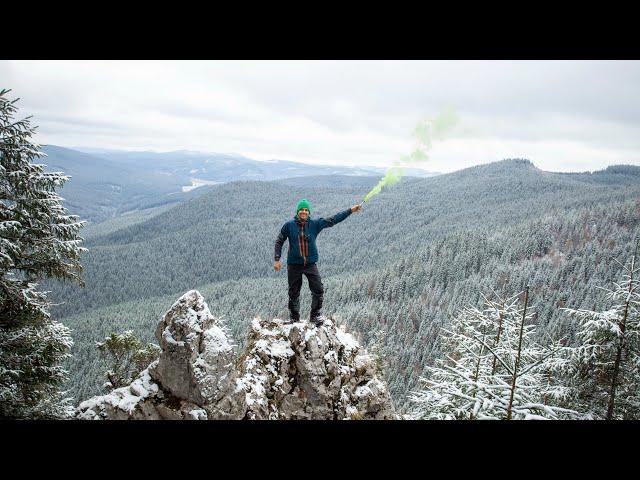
(303,255)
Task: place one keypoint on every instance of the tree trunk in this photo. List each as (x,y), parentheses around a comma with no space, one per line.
(500,317)
(477,372)
(495,344)
(515,368)
(616,365)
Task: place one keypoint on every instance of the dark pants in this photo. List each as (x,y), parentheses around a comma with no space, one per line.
(294,275)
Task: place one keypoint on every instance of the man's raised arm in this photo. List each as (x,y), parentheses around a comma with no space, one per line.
(338,217)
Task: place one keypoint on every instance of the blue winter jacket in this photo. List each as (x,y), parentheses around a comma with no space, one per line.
(302,237)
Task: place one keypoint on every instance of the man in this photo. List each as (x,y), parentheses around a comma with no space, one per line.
(303,255)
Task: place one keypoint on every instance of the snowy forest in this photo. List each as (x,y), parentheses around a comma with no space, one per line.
(500,291)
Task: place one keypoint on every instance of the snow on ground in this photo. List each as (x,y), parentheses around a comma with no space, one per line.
(125,398)
(348,340)
(198,182)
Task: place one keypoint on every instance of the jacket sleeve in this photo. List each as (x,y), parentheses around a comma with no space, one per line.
(282,236)
(331,221)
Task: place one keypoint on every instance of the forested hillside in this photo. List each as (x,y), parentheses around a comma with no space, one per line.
(395,273)
(100,189)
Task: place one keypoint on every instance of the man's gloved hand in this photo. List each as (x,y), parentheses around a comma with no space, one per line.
(277,265)
(356,208)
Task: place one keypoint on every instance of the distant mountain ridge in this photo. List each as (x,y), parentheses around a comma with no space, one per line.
(109,183)
(224,167)
(100,188)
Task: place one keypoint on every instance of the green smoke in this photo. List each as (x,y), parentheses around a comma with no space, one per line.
(444,123)
(425,132)
(392,176)
(429,130)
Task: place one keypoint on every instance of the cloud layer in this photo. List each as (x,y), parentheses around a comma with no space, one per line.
(563,115)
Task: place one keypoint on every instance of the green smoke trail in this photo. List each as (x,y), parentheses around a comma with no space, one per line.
(429,130)
(391,177)
(425,132)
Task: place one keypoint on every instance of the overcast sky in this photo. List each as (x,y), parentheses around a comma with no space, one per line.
(563,116)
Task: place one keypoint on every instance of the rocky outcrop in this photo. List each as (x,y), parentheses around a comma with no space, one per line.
(299,371)
(287,371)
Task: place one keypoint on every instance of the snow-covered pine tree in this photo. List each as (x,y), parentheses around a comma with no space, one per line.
(496,370)
(37,239)
(605,373)
(523,386)
(378,348)
(455,387)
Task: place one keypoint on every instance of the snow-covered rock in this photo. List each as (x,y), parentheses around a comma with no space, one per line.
(134,401)
(287,371)
(300,371)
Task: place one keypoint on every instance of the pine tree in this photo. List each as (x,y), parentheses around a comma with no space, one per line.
(126,356)
(37,240)
(378,348)
(605,373)
(495,368)
(455,387)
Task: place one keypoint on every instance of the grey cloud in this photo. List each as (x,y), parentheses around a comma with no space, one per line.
(260,103)
(598,88)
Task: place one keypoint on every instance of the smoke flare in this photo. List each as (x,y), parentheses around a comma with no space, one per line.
(425,132)
(391,177)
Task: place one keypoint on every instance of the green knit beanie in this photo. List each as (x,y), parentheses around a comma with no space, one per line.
(304,203)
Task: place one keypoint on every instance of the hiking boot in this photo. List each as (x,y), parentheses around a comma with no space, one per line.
(291,320)
(318,321)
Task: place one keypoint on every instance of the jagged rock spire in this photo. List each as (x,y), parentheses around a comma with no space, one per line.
(196,363)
